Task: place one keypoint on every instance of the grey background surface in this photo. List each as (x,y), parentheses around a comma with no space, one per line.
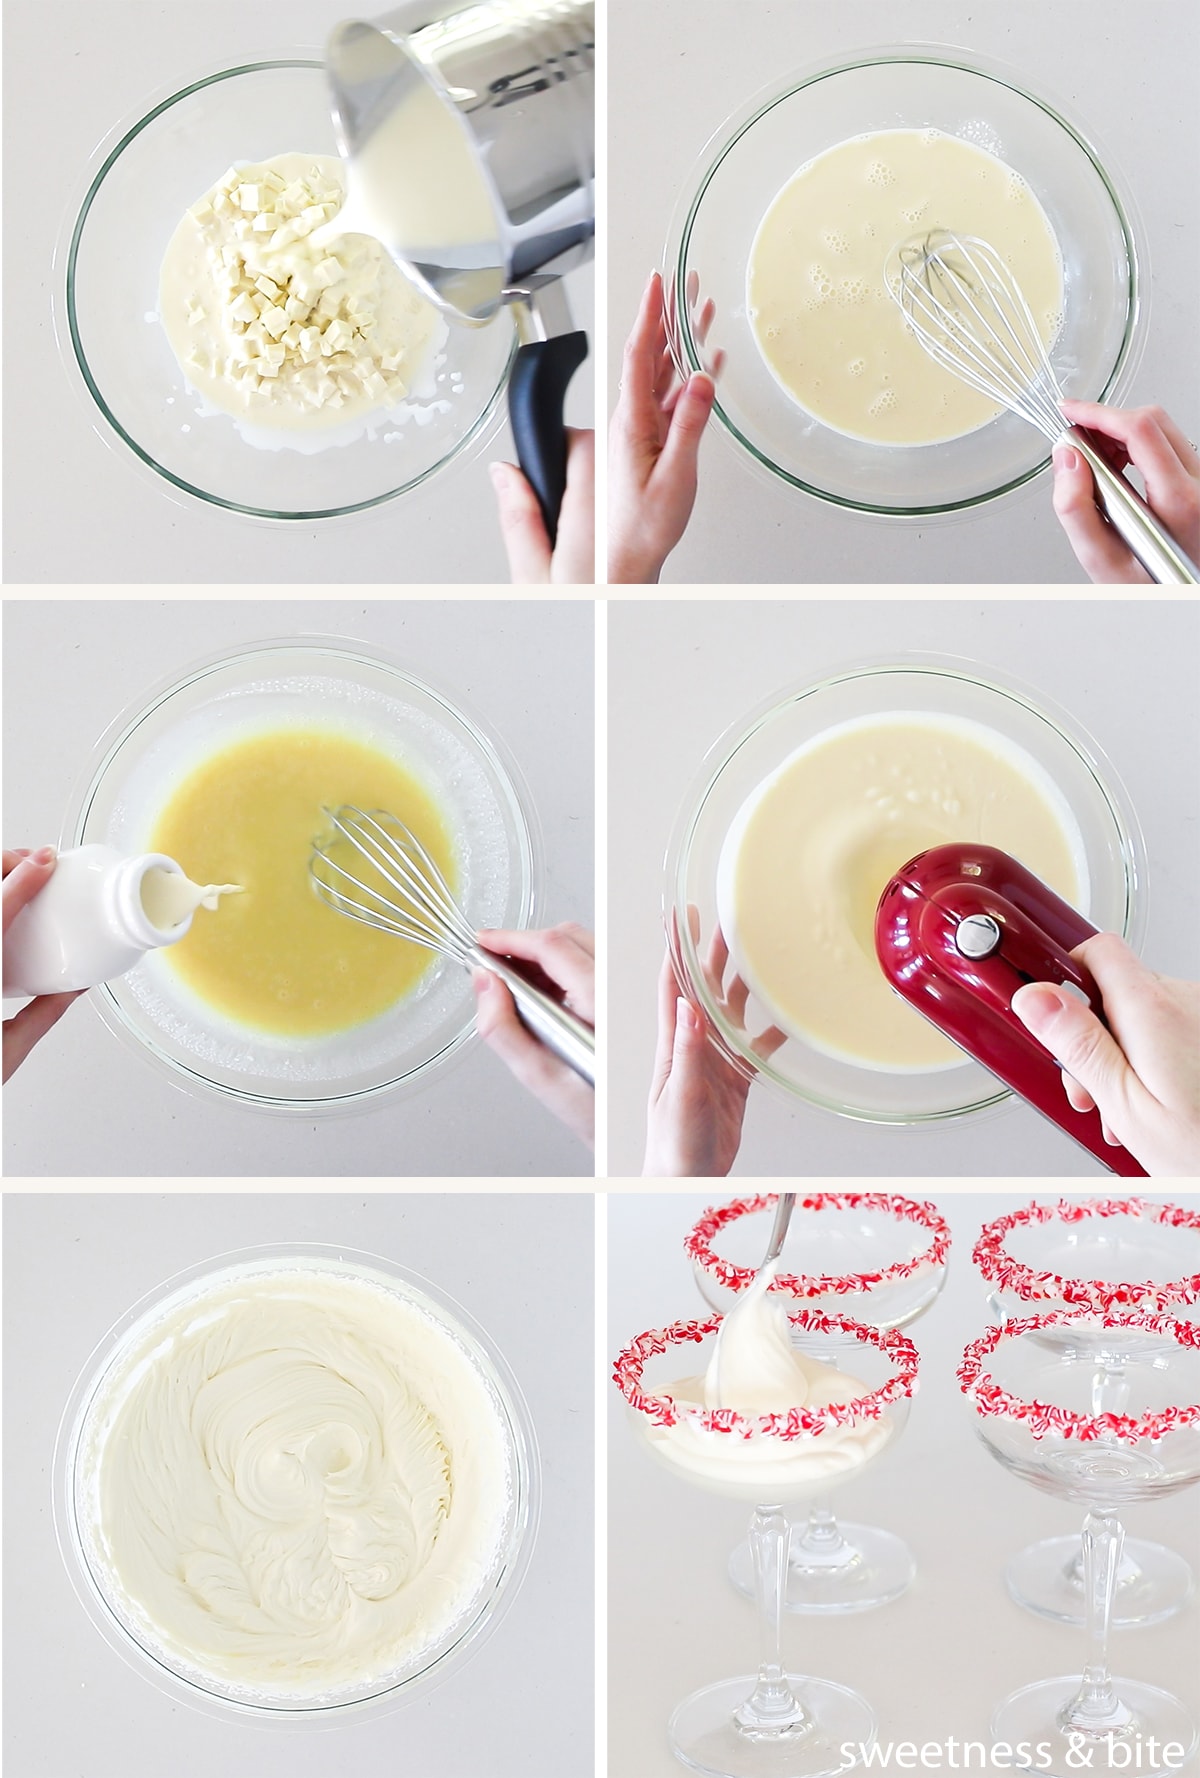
(74,1709)
(84,1103)
(78,506)
(677,72)
(679,673)
(934,1662)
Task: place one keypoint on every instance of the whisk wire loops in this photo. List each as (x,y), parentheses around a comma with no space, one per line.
(415,901)
(971,316)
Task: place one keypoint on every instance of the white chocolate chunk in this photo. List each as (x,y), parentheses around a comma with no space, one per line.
(277,323)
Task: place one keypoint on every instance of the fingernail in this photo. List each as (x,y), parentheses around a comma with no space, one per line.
(1039,1005)
(685,1015)
(481,980)
(701,384)
(500,475)
(43,855)
(1066,458)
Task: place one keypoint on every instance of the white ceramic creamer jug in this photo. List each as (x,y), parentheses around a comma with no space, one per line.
(97,916)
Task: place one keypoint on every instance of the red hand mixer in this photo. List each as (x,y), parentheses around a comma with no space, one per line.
(958,930)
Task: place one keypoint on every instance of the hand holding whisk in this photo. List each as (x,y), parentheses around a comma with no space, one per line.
(970,315)
(390,882)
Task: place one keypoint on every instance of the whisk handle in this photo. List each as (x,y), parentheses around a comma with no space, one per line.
(541,1010)
(1132,519)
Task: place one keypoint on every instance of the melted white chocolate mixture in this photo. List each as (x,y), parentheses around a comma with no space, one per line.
(278,330)
(818,281)
(755,1369)
(298,1480)
(812,849)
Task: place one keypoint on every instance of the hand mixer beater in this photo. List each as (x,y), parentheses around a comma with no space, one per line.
(970,315)
(396,887)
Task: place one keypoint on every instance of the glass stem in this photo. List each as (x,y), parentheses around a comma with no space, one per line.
(821,1544)
(1096,1709)
(772,1709)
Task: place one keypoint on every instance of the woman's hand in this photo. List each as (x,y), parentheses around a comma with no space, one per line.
(531,561)
(654,443)
(1150,440)
(26,874)
(568,956)
(697,1097)
(1143,1073)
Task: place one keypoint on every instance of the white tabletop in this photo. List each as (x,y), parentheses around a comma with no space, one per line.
(677,71)
(78,507)
(934,1662)
(680,672)
(75,1264)
(71,668)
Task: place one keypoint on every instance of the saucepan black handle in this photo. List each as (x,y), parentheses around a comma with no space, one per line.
(537,390)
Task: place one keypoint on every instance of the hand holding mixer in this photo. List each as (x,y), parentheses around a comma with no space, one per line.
(958,930)
(403,892)
(469,140)
(968,312)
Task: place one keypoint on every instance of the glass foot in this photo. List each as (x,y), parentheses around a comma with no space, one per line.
(1153,1583)
(861,1568)
(705,1734)
(1158,1721)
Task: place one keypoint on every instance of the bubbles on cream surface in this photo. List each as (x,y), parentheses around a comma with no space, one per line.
(297,1481)
(819,303)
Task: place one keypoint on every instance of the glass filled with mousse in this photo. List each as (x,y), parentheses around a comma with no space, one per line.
(750,1406)
(877,1256)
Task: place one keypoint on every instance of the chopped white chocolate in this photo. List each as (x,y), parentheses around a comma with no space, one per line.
(272,328)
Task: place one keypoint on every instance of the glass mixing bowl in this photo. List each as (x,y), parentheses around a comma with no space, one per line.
(140,761)
(906,86)
(141,181)
(79,1451)
(757,745)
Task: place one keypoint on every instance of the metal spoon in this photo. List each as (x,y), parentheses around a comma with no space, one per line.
(779,1229)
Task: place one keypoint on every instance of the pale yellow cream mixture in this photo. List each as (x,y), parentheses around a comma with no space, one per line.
(274,957)
(811,851)
(818,285)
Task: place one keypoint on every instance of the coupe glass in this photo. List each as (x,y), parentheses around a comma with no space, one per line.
(888,1256)
(1035,1399)
(774,1724)
(1090,1256)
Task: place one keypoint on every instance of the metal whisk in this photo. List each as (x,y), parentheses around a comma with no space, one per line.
(417,904)
(970,314)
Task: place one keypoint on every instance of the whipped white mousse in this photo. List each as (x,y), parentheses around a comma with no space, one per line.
(297,1482)
(756,1370)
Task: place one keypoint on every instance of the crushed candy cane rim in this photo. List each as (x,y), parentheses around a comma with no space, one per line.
(698,1246)
(1011,1277)
(797,1422)
(992,1400)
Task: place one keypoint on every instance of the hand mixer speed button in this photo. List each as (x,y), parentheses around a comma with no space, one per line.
(977,936)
